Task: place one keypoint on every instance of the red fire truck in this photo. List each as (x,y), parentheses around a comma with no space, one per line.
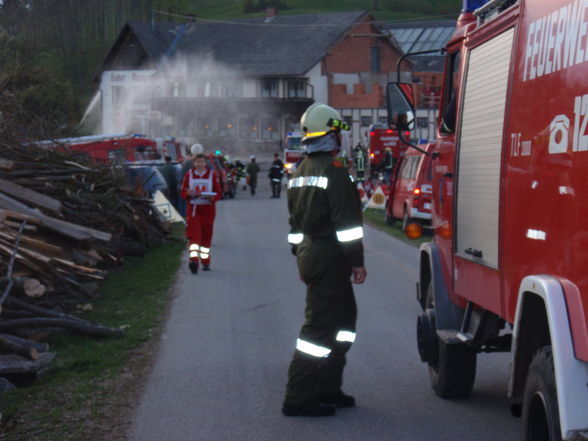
(506,270)
(118,148)
(380,138)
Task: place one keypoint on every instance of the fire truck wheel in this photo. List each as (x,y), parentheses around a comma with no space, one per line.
(540,409)
(454,375)
(453,371)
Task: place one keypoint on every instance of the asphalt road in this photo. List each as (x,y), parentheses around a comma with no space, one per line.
(221,371)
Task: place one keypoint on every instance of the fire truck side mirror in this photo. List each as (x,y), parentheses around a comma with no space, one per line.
(401,114)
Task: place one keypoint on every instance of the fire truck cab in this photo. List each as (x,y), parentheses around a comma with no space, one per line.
(379,139)
(506,270)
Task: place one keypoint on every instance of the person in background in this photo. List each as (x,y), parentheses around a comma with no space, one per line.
(360,163)
(201,190)
(187,165)
(170,174)
(252,171)
(388,165)
(240,172)
(275,174)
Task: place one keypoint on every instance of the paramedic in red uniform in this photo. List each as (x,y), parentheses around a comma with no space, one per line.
(201,189)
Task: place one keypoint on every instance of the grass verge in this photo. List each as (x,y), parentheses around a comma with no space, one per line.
(376,219)
(88,391)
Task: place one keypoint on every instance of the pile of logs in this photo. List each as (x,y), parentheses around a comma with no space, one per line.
(63,224)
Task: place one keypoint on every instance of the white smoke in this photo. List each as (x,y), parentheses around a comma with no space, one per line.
(191,99)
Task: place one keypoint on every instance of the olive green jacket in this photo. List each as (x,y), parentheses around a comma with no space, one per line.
(324,202)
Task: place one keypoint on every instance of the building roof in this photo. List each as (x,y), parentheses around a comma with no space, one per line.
(416,36)
(154,39)
(284,45)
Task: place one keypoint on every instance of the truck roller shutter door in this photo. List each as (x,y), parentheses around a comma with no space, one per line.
(480,149)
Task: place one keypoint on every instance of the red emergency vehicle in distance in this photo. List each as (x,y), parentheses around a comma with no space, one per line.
(409,197)
(107,149)
(381,137)
(118,149)
(292,151)
(506,270)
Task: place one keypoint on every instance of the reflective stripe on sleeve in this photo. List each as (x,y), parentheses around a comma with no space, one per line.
(312,349)
(295,238)
(309,181)
(346,336)
(350,234)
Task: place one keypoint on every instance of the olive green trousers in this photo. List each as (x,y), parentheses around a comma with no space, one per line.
(317,366)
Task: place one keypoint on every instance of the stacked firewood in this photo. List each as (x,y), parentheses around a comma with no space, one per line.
(63,224)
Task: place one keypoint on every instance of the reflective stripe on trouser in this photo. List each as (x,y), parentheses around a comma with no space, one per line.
(329,326)
(199,234)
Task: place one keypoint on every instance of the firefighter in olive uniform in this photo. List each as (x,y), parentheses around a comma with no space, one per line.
(326,236)
(360,163)
(388,165)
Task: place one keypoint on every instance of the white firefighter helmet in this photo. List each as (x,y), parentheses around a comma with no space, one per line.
(320,119)
(197,149)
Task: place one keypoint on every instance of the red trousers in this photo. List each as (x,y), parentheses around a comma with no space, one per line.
(199,230)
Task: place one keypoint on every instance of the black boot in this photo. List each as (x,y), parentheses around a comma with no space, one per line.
(339,400)
(193,267)
(310,410)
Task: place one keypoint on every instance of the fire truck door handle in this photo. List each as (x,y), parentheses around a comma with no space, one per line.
(448,175)
(473,252)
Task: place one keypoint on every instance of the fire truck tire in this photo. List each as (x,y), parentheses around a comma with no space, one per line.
(453,372)
(454,375)
(540,408)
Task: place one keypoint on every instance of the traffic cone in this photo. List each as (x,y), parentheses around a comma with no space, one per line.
(362,194)
(378,199)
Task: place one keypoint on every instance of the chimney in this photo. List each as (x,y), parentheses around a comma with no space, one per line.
(271,12)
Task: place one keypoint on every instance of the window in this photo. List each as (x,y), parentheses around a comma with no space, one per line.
(366,121)
(247,127)
(422,122)
(349,120)
(410,166)
(117,157)
(296,89)
(204,127)
(225,127)
(117,95)
(293,125)
(375,52)
(269,89)
(451,94)
(383,120)
(270,128)
(233,89)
